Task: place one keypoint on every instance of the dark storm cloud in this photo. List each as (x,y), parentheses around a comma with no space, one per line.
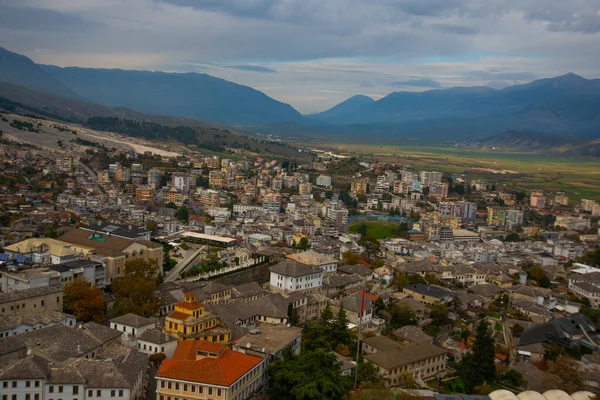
(42,20)
(422,82)
(252,68)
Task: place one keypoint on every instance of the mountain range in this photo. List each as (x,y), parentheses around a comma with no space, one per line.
(567,105)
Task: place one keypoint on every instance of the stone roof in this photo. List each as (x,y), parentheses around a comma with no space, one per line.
(28,293)
(333,280)
(487,290)
(33,367)
(249,289)
(156,336)
(358,269)
(429,290)
(404,355)
(133,320)
(413,334)
(564,328)
(274,306)
(313,258)
(271,337)
(294,269)
(353,302)
(382,343)
(8,322)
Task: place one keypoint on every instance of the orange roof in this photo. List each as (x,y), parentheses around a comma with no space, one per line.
(178,315)
(190,305)
(223,370)
(369,296)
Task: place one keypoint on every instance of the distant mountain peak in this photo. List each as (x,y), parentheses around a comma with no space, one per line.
(361,97)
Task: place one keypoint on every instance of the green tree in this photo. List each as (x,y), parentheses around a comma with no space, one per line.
(182,214)
(362,230)
(402,315)
(350,258)
(134,291)
(312,375)
(439,314)
(304,244)
(477,367)
(371,246)
(171,205)
(84,301)
(517,330)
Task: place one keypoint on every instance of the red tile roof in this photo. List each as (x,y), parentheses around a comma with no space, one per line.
(189,305)
(223,370)
(178,315)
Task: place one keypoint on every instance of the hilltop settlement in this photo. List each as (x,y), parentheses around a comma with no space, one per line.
(238,275)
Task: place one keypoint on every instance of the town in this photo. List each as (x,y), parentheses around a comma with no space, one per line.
(135,275)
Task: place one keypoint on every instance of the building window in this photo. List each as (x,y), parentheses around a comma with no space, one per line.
(58,299)
(112,393)
(75,389)
(98,393)
(51,389)
(218,392)
(60,389)
(37,383)
(120,393)
(210,391)
(176,385)
(36,396)
(27,396)
(90,393)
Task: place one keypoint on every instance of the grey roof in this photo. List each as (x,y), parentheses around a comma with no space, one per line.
(33,367)
(101,373)
(100,333)
(65,374)
(382,343)
(249,289)
(275,306)
(429,290)
(358,269)
(353,302)
(11,344)
(126,231)
(405,355)
(28,293)
(133,320)
(486,290)
(412,334)
(333,280)
(8,322)
(294,269)
(156,336)
(564,328)
(74,265)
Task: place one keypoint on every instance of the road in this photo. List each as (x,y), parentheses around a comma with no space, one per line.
(181,265)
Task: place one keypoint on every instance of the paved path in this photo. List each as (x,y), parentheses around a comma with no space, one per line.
(181,265)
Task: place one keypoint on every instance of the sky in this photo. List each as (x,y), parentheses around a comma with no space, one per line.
(314,54)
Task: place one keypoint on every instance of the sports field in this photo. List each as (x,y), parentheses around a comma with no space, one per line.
(380,230)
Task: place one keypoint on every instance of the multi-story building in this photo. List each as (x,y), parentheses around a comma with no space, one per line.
(513,219)
(401,187)
(154,177)
(86,362)
(305,188)
(537,199)
(596,210)
(45,251)
(208,197)
(31,301)
(438,190)
(428,177)
(181,182)
(324,181)
(144,194)
(584,281)
(324,261)
(216,178)
(123,174)
(338,216)
(496,216)
(190,321)
(394,360)
(202,370)
(428,294)
(587,204)
(272,202)
(464,210)
(359,186)
(64,163)
(104,177)
(290,276)
(561,199)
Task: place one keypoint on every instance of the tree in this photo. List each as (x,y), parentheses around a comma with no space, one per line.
(517,330)
(182,214)
(171,205)
(362,230)
(304,244)
(406,380)
(566,375)
(371,246)
(512,237)
(134,291)
(312,375)
(339,332)
(350,258)
(84,301)
(402,315)
(373,391)
(439,314)
(477,367)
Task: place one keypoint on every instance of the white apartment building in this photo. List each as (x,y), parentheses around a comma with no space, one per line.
(291,276)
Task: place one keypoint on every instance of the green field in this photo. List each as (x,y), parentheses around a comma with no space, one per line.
(577,177)
(380,230)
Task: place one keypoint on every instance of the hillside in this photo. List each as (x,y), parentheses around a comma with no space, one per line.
(537,142)
(173,94)
(566,105)
(19,70)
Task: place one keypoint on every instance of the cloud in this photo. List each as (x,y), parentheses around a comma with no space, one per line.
(251,68)
(343,46)
(422,82)
(458,29)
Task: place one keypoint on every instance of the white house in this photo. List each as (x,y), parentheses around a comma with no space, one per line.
(133,325)
(153,341)
(291,276)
